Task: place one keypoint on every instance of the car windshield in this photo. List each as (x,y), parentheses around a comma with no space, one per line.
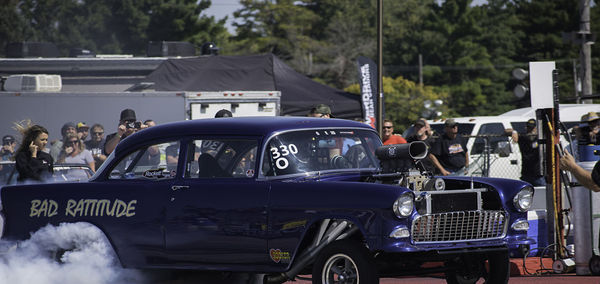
(320,150)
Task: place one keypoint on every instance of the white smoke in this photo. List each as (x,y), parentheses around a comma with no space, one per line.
(87,258)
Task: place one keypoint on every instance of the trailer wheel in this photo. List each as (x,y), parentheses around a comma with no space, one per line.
(344,261)
(474,268)
(594,265)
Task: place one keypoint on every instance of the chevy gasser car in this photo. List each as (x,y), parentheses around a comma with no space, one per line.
(281,197)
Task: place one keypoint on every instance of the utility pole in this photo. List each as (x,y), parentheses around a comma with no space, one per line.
(585,53)
(380,66)
(420,70)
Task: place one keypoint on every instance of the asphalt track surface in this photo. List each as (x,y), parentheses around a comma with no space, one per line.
(550,279)
(544,279)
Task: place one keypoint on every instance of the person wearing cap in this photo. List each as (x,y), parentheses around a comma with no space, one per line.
(422,132)
(8,147)
(223,113)
(127,126)
(531,168)
(449,152)
(320,110)
(57,146)
(8,151)
(388,137)
(82,130)
(590,130)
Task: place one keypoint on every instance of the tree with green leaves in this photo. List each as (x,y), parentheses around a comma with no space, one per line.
(111,26)
(404,100)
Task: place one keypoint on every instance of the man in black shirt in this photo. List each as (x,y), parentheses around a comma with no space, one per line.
(530,155)
(450,155)
(127,126)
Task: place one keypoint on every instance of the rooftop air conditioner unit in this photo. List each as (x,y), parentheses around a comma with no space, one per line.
(33,83)
(31,49)
(170,48)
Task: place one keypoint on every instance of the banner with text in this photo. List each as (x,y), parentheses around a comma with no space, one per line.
(367,74)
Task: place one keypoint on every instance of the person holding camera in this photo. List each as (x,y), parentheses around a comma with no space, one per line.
(128,125)
(8,147)
(8,151)
(74,152)
(67,128)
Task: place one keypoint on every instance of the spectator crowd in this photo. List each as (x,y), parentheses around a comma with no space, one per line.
(448,153)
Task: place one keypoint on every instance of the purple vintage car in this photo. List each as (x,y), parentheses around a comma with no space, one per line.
(284,196)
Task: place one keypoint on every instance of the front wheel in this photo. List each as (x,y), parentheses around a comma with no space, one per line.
(343,262)
(473,268)
(594,265)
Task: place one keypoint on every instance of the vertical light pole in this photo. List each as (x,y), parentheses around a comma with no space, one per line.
(586,49)
(380,66)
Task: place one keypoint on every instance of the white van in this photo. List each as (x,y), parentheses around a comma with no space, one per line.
(504,154)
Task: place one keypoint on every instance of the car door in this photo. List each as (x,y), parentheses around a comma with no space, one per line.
(128,205)
(145,182)
(217,212)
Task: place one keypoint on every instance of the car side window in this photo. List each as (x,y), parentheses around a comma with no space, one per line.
(246,165)
(221,158)
(154,162)
(494,133)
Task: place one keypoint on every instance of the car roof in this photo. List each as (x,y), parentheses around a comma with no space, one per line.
(239,126)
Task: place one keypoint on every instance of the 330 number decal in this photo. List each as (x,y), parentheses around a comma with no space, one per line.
(279,155)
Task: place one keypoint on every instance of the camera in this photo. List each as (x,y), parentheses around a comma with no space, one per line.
(133,124)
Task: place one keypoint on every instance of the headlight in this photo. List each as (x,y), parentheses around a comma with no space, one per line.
(403,206)
(523,199)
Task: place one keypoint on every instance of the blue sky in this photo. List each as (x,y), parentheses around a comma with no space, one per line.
(221,8)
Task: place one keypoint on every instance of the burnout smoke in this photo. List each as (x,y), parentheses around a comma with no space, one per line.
(87,258)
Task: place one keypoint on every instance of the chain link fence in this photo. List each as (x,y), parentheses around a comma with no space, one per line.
(493,155)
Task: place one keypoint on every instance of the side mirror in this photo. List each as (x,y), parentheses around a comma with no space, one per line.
(503,150)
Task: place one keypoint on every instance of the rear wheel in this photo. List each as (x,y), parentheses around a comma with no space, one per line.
(594,265)
(344,261)
(472,268)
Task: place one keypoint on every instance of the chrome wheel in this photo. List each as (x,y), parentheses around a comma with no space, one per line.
(340,268)
(345,261)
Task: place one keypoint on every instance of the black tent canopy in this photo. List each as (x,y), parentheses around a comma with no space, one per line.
(253,73)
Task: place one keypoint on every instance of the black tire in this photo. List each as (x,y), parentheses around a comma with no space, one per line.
(499,264)
(473,270)
(594,265)
(344,261)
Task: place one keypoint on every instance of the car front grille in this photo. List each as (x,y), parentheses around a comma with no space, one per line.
(459,226)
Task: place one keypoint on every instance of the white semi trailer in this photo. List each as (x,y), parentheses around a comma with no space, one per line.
(53,109)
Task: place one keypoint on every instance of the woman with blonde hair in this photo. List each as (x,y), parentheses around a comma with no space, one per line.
(74,152)
(31,162)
